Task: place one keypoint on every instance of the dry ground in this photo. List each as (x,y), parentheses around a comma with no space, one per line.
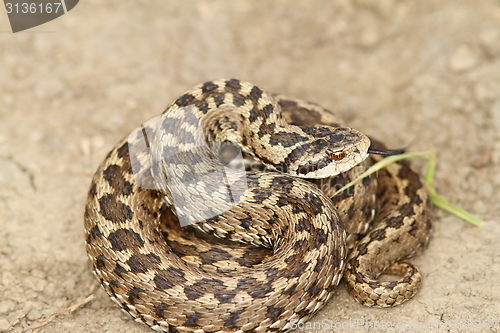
(425,71)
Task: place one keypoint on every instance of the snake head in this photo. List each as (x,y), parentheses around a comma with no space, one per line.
(328,152)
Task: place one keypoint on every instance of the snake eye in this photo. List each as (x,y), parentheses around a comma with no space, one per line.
(338,155)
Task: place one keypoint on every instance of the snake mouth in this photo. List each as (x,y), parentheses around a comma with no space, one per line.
(385,152)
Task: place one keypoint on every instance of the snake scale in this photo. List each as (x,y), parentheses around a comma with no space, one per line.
(264,241)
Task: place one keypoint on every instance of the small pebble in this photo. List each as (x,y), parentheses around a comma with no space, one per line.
(35,283)
(98,142)
(85,147)
(480,158)
(8,278)
(490,37)
(8,99)
(369,38)
(487,190)
(34,314)
(4,325)
(483,93)
(7,306)
(50,87)
(468,276)
(462,59)
(37,135)
(480,207)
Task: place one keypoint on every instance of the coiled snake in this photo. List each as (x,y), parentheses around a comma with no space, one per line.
(266,242)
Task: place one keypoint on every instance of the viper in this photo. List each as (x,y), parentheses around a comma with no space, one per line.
(221,214)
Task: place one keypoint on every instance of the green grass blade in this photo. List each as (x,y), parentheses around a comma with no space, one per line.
(431,167)
(444,204)
(382,164)
(435,198)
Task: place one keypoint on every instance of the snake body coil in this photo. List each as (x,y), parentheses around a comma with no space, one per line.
(264,246)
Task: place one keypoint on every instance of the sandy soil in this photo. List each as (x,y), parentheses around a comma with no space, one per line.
(426,72)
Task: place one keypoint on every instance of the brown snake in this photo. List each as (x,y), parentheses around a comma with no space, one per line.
(263,247)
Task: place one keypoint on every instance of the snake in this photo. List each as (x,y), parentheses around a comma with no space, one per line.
(221,215)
